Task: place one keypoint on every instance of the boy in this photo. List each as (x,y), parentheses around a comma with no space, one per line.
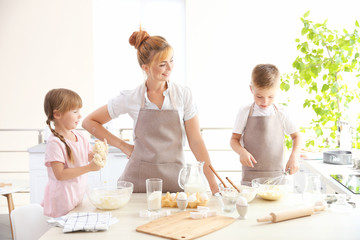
(260,128)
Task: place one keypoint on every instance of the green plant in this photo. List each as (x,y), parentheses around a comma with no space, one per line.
(325,57)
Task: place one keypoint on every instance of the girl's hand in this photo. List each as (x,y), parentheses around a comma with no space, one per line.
(292,164)
(247,159)
(93,166)
(90,156)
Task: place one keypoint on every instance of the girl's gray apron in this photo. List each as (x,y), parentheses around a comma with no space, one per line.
(158,150)
(264,139)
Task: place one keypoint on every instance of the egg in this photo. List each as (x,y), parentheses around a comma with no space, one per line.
(241,201)
(192,198)
(204,197)
(182,196)
(173,196)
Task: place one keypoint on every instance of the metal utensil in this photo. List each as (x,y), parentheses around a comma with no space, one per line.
(278,179)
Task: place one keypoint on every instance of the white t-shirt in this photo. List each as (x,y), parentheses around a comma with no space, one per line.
(243,113)
(129,102)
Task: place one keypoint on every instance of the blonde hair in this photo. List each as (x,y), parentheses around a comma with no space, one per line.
(265,75)
(62,100)
(150,49)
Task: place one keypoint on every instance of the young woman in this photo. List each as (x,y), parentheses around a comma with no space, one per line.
(164,114)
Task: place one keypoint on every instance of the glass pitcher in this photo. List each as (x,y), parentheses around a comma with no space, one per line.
(192,179)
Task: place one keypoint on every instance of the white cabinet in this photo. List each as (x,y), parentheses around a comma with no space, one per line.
(108,175)
(116,162)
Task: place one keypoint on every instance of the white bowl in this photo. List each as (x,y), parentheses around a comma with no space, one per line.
(249,193)
(110,197)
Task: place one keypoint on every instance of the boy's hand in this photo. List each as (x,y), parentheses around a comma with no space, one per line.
(292,164)
(247,159)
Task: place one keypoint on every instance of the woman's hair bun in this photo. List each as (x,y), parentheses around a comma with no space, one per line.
(137,38)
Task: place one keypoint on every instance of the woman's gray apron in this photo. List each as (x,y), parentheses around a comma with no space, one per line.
(264,139)
(158,150)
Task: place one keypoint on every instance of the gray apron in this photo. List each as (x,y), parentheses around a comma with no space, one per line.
(158,150)
(264,139)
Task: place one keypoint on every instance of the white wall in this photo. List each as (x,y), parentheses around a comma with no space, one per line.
(227,38)
(115,63)
(44,44)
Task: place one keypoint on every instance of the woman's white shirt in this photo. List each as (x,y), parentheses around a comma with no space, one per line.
(243,113)
(129,102)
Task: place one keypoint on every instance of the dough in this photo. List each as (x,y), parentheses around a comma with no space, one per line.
(100,150)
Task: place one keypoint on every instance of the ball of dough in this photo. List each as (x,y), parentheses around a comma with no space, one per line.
(100,150)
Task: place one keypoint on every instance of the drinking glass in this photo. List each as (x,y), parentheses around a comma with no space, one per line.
(153,193)
(312,190)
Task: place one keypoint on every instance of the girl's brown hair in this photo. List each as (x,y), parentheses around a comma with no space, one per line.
(150,49)
(265,75)
(62,100)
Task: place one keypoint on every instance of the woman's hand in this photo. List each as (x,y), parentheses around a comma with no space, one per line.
(127,149)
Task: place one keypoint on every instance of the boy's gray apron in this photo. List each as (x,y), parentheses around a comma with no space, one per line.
(264,139)
(158,150)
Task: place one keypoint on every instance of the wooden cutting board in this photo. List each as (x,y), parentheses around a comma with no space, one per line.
(182,226)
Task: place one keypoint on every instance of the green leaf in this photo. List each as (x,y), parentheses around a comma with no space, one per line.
(330,38)
(319,132)
(304,31)
(324,88)
(357,23)
(306,14)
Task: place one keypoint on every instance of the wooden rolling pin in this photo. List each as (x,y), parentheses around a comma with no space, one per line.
(290,214)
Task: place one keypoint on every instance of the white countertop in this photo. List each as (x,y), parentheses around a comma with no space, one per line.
(326,169)
(323,225)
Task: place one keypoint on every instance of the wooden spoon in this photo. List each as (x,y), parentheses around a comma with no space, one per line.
(212,169)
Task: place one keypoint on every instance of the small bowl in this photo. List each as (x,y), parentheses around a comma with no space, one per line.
(271,192)
(249,193)
(110,197)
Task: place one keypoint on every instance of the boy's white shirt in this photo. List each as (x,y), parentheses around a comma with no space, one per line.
(243,113)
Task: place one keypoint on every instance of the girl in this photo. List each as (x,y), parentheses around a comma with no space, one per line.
(68,154)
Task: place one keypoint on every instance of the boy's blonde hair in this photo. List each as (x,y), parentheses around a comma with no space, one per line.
(265,76)
(62,100)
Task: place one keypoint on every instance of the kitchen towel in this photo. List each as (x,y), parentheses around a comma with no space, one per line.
(84,221)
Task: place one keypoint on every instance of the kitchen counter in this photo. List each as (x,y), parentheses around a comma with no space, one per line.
(327,224)
(326,169)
